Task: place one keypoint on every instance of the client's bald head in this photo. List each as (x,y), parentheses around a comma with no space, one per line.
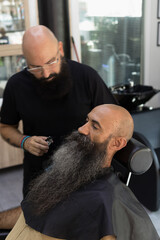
(116,117)
(109,122)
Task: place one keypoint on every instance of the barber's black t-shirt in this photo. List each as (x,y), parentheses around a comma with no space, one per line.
(59,117)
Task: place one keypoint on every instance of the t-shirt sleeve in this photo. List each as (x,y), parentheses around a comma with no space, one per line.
(9,114)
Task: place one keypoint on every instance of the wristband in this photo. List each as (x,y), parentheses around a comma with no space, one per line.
(23,140)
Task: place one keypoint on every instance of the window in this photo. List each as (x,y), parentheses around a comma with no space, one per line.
(110,38)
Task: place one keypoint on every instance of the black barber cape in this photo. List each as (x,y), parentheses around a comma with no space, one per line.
(103,207)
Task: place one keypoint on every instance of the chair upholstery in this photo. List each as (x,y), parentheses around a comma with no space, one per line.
(146,187)
(135,158)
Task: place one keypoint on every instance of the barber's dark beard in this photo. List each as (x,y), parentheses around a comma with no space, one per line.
(56,88)
(77,162)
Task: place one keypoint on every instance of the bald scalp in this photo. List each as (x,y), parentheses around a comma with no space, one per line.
(120,118)
(37,37)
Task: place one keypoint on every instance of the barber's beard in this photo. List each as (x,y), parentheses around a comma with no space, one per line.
(59,85)
(77,162)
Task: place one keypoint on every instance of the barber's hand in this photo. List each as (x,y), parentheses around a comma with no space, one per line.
(36,145)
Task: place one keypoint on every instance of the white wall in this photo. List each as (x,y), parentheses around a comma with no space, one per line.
(151,50)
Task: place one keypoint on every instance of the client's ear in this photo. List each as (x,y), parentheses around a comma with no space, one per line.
(114,145)
(118,143)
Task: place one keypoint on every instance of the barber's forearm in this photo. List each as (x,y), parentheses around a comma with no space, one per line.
(11,134)
(36,145)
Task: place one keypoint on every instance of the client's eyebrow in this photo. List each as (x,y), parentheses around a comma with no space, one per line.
(94,121)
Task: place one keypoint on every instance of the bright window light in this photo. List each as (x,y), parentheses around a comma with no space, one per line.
(113,8)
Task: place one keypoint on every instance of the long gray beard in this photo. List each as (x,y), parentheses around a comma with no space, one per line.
(77,162)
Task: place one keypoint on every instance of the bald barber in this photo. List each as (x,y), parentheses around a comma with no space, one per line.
(52,96)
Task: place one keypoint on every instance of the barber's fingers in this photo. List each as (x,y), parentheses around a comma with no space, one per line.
(36,145)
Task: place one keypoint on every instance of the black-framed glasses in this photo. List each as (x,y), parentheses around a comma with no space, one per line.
(50,65)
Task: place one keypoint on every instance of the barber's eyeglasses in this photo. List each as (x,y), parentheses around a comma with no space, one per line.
(50,65)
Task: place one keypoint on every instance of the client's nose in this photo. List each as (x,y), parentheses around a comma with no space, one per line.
(84,129)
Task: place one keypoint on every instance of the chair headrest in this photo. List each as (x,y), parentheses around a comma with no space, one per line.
(136,157)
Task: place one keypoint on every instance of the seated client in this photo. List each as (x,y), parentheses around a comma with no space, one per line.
(79,197)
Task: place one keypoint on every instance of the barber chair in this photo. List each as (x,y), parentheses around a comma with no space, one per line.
(135,158)
(146,187)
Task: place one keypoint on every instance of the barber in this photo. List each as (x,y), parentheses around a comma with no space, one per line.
(52,97)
